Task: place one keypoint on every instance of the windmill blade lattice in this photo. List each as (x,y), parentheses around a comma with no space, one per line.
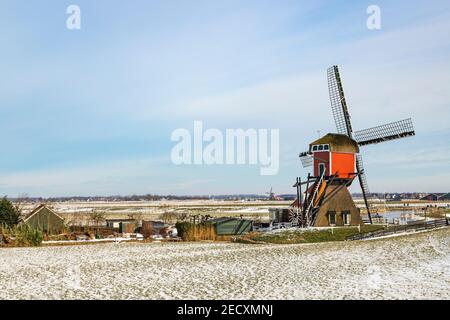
(386,132)
(363,183)
(338,102)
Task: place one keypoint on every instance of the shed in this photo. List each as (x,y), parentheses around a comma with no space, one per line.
(280,215)
(231,226)
(45,219)
(122,225)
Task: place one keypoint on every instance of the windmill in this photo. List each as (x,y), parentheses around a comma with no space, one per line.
(272,195)
(334,156)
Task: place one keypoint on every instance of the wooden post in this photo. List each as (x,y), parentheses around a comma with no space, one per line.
(306,201)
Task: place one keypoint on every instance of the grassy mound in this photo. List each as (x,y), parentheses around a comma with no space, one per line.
(305,236)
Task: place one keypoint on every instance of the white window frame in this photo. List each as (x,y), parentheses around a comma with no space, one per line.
(315,148)
(329,218)
(347,217)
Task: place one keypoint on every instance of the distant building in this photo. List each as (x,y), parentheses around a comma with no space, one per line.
(122,225)
(281,215)
(430,197)
(445,197)
(45,219)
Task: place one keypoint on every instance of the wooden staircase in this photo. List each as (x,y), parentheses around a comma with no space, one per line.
(313,200)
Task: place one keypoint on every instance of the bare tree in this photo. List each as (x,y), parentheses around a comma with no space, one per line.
(97,217)
(20,202)
(137,217)
(168,216)
(182,216)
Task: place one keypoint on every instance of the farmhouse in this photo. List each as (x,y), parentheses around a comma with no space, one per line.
(45,219)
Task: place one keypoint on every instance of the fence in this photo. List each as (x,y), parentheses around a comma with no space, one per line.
(413,227)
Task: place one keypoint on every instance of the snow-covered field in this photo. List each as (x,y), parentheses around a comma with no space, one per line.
(77,213)
(410,267)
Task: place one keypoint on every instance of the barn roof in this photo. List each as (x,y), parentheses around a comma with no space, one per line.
(338,143)
(430,195)
(39,208)
(444,196)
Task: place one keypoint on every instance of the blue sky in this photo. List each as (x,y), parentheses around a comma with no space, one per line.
(91,111)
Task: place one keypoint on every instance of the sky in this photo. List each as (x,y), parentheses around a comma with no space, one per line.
(91,111)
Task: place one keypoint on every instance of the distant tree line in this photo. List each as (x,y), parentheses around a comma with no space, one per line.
(151,197)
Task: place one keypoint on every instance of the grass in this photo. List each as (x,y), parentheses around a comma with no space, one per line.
(305,236)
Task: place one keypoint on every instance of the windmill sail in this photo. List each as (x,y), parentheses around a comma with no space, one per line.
(306,159)
(363,183)
(386,132)
(338,103)
(343,123)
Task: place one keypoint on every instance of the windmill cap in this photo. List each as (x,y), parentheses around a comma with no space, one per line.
(337,142)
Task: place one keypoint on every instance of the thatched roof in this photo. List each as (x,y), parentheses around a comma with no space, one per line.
(338,143)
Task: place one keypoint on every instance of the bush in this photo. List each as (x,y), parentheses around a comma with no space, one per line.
(168,217)
(182,228)
(147,229)
(195,232)
(22,236)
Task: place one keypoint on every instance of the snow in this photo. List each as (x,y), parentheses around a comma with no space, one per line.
(411,267)
(138,237)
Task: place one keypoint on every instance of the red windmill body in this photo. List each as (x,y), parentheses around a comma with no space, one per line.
(334,154)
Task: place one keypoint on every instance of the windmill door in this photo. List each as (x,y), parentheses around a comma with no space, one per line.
(321,169)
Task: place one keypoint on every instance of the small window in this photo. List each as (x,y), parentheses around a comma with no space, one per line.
(332,218)
(347,217)
(320,147)
(326,147)
(314,148)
